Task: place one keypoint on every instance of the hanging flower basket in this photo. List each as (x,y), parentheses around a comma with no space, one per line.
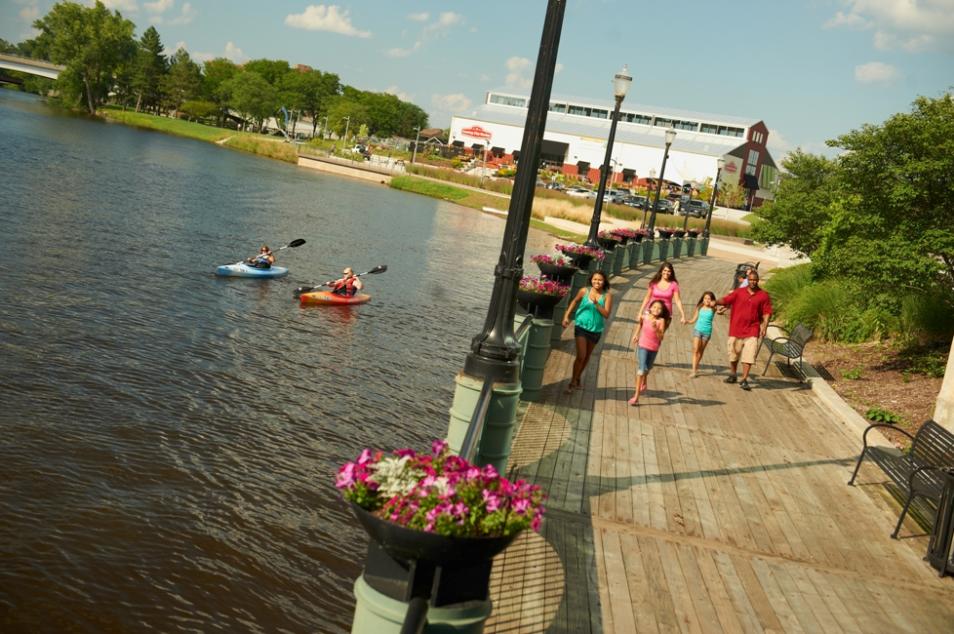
(665,234)
(580,255)
(693,233)
(437,507)
(555,268)
(628,235)
(608,240)
(678,233)
(538,296)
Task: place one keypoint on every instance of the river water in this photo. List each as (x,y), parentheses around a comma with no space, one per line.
(168,439)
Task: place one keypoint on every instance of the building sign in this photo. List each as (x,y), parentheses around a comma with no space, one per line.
(476,132)
(731,167)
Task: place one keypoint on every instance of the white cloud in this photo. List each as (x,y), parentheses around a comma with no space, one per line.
(122,5)
(452,104)
(30,14)
(320,17)
(849,20)
(423,16)
(231,52)
(778,145)
(397,92)
(403,52)
(912,25)
(875,72)
(559,67)
(518,68)
(170,50)
(444,21)
(159,6)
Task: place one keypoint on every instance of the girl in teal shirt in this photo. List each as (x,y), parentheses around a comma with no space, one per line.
(702,318)
(595,304)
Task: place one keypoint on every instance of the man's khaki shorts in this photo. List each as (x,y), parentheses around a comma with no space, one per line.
(743,350)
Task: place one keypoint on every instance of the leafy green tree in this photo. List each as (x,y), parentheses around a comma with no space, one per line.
(92,42)
(801,209)
(199,109)
(150,67)
(310,93)
(215,78)
(251,95)
(342,108)
(7,47)
(271,70)
(183,82)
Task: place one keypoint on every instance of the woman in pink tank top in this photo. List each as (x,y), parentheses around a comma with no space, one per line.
(665,288)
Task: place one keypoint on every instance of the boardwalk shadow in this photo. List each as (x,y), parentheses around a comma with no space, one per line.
(669,398)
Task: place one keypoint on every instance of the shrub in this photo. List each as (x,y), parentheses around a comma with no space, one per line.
(879,415)
(926,317)
(839,313)
(853,374)
(785,284)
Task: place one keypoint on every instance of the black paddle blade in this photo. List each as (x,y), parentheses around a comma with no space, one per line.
(378,269)
(303,289)
(296,243)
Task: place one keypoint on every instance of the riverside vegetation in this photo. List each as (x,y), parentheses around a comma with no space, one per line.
(876,223)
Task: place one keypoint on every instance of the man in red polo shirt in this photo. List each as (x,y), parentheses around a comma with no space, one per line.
(751,309)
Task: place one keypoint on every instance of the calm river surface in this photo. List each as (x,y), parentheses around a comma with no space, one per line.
(168,439)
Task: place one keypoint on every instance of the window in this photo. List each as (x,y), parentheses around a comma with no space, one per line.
(558,107)
(580,111)
(685,125)
(504,100)
(709,128)
(659,122)
(599,114)
(752,162)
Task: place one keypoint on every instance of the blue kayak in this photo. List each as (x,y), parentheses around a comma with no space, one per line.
(241,269)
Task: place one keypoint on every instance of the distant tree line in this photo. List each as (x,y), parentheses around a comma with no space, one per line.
(106,64)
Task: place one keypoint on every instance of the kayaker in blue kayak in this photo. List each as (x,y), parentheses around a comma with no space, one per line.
(264,260)
(348,285)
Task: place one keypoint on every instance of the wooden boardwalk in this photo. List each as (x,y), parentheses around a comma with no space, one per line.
(705,508)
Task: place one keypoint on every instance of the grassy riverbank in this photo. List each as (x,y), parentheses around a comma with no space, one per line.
(270,147)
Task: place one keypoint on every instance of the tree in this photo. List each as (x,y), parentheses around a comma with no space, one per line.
(215,79)
(310,93)
(801,208)
(183,81)
(93,43)
(879,216)
(251,95)
(341,108)
(150,68)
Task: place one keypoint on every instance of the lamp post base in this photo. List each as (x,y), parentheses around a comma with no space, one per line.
(704,246)
(498,425)
(535,358)
(377,613)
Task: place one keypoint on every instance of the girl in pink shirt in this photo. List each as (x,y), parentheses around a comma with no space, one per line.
(647,337)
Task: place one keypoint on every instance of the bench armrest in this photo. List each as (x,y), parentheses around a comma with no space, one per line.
(919,471)
(876,425)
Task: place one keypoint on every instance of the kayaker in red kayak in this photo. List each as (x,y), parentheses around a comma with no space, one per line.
(264,260)
(348,285)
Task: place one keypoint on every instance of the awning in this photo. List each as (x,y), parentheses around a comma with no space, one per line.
(477,146)
(497,151)
(458,144)
(516,155)
(750,181)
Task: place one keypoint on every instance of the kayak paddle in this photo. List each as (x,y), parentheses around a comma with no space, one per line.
(308,289)
(292,244)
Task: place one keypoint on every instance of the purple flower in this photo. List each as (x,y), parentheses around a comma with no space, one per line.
(491,501)
(438,447)
(345,477)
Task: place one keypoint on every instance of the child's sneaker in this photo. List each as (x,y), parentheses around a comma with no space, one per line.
(745,385)
(634,400)
(730,379)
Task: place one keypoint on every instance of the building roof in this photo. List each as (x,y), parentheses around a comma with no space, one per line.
(672,113)
(686,141)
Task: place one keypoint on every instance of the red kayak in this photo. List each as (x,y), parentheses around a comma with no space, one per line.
(327,298)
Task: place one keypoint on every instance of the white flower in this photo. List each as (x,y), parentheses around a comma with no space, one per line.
(394,477)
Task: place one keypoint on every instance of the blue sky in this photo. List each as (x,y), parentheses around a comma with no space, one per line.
(811,69)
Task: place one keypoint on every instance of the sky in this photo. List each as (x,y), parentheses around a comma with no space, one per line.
(810,69)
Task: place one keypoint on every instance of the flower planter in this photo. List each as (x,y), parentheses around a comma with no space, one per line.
(607,243)
(409,545)
(538,304)
(580,260)
(676,243)
(664,234)
(556,272)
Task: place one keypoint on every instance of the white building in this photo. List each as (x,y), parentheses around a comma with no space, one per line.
(577,129)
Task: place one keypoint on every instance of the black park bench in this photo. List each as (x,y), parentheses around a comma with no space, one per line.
(920,471)
(789,345)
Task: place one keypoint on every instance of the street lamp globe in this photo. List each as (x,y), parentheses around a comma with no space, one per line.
(670,136)
(621,83)
(720,163)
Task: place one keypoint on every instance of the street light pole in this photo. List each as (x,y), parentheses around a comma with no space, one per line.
(621,83)
(715,189)
(416,139)
(685,222)
(670,137)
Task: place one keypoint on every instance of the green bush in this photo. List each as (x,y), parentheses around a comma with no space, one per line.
(427,188)
(839,313)
(785,284)
(879,415)
(926,317)
(853,374)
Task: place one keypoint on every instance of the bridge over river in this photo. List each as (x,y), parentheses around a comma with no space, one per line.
(32,66)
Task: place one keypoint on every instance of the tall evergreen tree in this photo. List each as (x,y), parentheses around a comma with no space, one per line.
(184,80)
(150,67)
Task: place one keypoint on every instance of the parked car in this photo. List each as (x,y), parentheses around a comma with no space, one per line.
(636,201)
(577,192)
(664,205)
(695,208)
(362,150)
(555,186)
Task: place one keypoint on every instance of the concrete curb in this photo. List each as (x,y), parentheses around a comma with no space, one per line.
(842,412)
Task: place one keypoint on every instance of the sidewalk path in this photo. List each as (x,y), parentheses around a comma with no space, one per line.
(705,508)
